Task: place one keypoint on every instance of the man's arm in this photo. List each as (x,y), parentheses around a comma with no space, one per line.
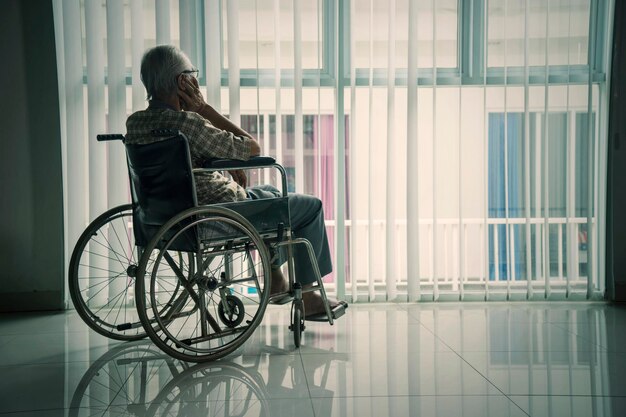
(191,98)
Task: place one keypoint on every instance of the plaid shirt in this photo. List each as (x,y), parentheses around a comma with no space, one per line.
(205,142)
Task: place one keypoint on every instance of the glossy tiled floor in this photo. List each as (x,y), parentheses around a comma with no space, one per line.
(445,359)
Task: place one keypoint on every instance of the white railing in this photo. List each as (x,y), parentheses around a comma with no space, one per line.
(464,270)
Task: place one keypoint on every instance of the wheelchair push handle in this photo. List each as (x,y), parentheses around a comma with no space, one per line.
(110,136)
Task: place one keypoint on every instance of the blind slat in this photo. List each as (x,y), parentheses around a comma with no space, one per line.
(76,144)
(355,261)
(96,110)
(372,253)
(213,53)
(591,143)
(137,50)
(117,172)
(507,230)
(529,281)
(232,21)
(434,268)
(546,172)
(277,78)
(297,85)
(162,14)
(390,239)
(340,158)
(413,232)
(187,25)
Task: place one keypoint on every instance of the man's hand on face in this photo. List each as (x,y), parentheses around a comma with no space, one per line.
(191,99)
(189,94)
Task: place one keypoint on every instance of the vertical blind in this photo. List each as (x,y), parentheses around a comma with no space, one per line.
(459,146)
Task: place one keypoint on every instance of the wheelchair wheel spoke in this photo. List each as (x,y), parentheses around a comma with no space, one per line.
(115,299)
(120,242)
(100,255)
(125,293)
(101,289)
(109,247)
(99,265)
(98,268)
(103,281)
(203,304)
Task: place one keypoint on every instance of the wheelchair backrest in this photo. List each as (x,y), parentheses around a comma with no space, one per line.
(162,185)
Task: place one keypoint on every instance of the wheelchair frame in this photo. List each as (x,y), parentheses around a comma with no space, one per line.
(187,297)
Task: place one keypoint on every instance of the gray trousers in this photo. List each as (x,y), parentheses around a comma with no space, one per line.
(307,221)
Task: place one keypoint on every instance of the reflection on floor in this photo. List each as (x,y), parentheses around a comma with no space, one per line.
(444,359)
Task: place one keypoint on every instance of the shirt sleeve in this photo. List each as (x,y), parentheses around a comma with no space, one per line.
(208,142)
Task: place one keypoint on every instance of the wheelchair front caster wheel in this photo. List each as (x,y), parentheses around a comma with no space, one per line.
(231,311)
(297,322)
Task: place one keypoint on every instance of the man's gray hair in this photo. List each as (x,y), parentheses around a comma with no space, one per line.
(160,67)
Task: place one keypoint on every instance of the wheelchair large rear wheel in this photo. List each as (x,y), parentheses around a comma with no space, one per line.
(223,292)
(102,275)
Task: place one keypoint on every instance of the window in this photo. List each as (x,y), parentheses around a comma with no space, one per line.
(565,151)
(476,177)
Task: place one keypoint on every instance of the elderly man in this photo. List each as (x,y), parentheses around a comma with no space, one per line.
(175,102)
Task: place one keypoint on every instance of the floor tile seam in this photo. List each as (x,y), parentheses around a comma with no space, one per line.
(495,386)
(10,339)
(597,347)
(39,332)
(414,317)
(481,374)
(567,321)
(495,395)
(306,379)
(235,398)
(86,362)
(476,370)
(590,341)
(532,350)
(569,396)
(313,398)
(47,318)
(364,322)
(9,413)
(70,362)
(376,351)
(148,404)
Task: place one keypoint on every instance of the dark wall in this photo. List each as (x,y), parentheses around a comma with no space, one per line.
(616,187)
(616,195)
(31,187)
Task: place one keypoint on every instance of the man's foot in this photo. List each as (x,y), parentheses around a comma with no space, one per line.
(314,303)
(279,283)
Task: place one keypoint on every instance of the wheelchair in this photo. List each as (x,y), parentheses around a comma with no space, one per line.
(193,278)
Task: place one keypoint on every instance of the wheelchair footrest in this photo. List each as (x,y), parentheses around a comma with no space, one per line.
(337,311)
(280,299)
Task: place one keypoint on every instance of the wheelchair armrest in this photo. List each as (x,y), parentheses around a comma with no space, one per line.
(254,162)
(110,136)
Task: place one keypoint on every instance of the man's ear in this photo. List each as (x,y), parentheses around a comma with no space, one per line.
(180,82)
